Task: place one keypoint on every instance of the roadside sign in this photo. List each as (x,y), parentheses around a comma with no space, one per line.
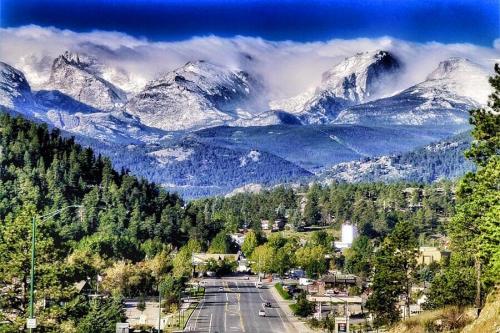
(31,323)
(122,327)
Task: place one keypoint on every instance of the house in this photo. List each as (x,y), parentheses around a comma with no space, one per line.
(339,283)
(264,224)
(83,287)
(353,304)
(430,254)
(238,238)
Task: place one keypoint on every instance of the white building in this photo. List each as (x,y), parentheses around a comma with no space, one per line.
(349,234)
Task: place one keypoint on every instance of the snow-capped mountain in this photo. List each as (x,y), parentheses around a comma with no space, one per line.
(355,80)
(15,90)
(76,76)
(197,95)
(453,88)
(203,129)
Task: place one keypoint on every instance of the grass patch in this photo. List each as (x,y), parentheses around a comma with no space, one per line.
(180,323)
(284,294)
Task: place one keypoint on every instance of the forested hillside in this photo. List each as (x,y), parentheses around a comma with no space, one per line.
(119,218)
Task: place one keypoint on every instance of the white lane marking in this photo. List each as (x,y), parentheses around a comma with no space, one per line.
(210,324)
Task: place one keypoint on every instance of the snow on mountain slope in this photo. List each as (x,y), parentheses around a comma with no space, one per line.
(70,115)
(76,75)
(442,159)
(356,79)
(267,118)
(107,127)
(444,98)
(15,90)
(197,95)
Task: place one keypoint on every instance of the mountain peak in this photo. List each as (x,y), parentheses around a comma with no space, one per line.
(195,95)
(356,79)
(74,74)
(353,78)
(79,60)
(453,66)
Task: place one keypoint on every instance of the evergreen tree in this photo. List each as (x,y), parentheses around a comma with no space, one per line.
(475,228)
(394,264)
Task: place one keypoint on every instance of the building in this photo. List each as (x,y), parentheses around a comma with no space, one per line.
(349,234)
(238,238)
(264,224)
(429,254)
(337,283)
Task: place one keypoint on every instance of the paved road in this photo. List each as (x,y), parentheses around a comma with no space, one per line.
(236,309)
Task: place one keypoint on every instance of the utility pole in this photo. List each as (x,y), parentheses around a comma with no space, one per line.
(32,273)
(159,308)
(33,262)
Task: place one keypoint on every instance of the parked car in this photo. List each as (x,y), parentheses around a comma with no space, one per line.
(221,288)
(262,313)
(266,304)
(330,292)
(305,281)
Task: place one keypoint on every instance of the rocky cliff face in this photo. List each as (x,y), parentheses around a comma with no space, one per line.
(453,88)
(197,95)
(356,79)
(74,75)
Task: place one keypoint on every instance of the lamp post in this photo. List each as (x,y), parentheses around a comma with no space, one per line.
(33,247)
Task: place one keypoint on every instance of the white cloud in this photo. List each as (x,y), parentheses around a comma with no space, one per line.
(286,67)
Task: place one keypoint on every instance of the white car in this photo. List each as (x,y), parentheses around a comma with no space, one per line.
(221,288)
(329,292)
(262,313)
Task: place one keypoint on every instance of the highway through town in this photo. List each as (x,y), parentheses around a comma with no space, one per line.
(232,305)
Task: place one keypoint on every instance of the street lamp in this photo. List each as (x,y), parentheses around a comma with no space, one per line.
(31,320)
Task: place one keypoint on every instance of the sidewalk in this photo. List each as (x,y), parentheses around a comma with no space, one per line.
(299,325)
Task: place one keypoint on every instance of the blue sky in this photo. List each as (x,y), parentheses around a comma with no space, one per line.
(414,20)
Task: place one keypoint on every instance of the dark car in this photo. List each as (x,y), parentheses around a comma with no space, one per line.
(267,304)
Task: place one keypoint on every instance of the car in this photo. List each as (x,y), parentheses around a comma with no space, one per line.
(221,288)
(262,313)
(329,292)
(266,304)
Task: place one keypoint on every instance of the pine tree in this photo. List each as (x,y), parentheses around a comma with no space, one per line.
(475,228)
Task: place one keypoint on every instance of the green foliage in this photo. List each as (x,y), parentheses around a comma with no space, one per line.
(312,259)
(302,308)
(141,304)
(312,212)
(102,317)
(182,266)
(262,259)
(250,243)
(283,293)
(394,263)
(358,258)
(222,243)
(454,285)
(475,228)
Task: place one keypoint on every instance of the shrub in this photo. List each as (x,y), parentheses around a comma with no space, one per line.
(282,292)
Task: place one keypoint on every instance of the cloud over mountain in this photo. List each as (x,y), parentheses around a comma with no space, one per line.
(286,67)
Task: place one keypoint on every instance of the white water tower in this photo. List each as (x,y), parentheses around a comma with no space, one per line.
(349,234)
